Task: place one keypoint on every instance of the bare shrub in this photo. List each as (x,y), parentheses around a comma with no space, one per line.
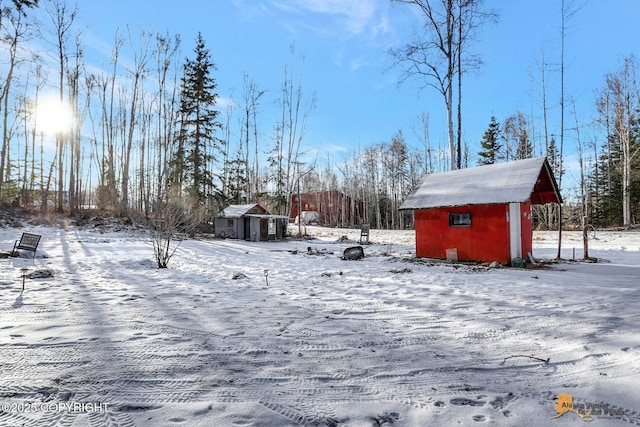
(170,220)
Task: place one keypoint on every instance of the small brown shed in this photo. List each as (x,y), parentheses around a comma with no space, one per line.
(250,222)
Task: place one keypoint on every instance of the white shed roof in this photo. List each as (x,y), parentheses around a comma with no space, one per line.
(491,184)
(236,211)
(253,210)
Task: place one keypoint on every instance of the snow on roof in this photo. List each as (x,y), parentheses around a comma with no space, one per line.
(236,211)
(498,183)
(250,210)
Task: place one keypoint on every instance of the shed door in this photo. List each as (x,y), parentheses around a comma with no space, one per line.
(247,228)
(515,232)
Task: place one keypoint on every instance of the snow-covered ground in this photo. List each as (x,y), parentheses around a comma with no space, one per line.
(111,340)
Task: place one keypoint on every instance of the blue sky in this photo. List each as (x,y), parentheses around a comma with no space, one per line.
(344,45)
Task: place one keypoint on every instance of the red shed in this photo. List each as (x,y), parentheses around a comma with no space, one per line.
(482,213)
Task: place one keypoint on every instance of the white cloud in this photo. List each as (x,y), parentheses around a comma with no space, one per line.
(357,14)
(226,102)
(354,16)
(358,62)
(251,9)
(348,25)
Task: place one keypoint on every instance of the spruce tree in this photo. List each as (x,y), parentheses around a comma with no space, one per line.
(236,179)
(198,147)
(553,156)
(606,187)
(490,144)
(608,198)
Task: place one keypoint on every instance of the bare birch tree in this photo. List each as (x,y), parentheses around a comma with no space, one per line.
(295,110)
(421,131)
(620,102)
(16,32)
(75,172)
(251,96)
(166,50)
(138,74)
(436,57)
(107,193)
(62,18)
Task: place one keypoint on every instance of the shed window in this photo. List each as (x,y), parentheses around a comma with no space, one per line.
(460,219)
(229,223)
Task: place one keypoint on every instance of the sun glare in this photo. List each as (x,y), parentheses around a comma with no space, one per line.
(52,116)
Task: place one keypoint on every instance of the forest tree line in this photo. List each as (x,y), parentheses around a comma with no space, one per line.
(148,128)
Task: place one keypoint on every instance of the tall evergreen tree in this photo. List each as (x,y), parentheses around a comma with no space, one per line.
(198,147)
(553,156)
(490,144)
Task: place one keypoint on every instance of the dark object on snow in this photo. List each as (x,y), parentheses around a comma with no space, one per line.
(239,276)
(353,253)
(44,273)
(28,242)
(519,263)
(322,251)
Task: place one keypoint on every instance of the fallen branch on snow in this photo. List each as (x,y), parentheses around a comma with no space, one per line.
(523,355)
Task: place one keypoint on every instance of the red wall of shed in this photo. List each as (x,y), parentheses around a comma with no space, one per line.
(486,240)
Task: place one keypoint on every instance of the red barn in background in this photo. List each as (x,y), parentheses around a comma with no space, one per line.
(333,207)
(481,213)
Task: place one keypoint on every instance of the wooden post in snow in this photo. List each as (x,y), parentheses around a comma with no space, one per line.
(559,231)
(585,237)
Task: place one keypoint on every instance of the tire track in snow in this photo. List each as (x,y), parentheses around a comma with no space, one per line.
(300,355)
